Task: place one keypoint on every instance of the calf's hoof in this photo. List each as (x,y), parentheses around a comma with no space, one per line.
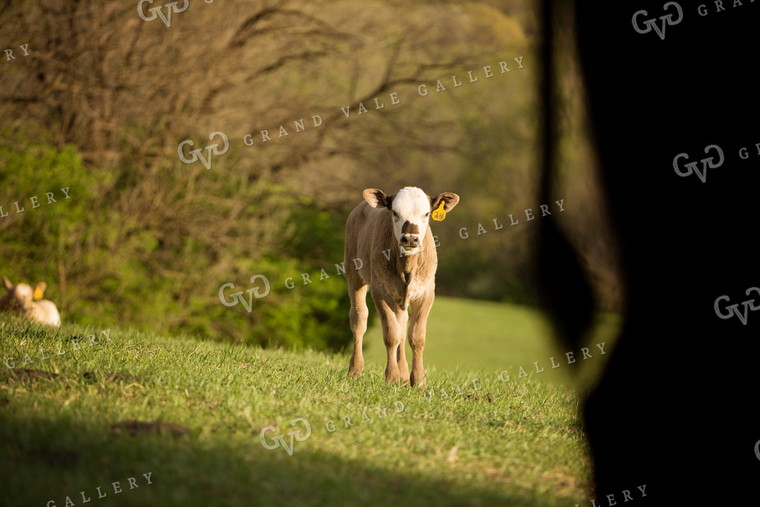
(403,373)
(393,375)
(355,369)
(417,380)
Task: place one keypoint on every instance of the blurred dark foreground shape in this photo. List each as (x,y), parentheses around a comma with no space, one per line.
(676,408)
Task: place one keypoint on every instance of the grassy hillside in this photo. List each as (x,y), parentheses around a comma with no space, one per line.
(189,414)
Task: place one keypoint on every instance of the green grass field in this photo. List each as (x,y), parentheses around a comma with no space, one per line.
(68,419)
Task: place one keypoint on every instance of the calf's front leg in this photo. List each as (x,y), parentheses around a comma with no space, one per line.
(402,316)
(417,328)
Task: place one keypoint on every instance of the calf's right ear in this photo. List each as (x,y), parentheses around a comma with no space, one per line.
(7,284)
(376,198)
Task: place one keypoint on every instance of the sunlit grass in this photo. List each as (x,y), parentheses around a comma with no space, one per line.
(455,442)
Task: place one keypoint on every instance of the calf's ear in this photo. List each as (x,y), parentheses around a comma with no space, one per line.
(377,198)
(7,284)
(39,290)
(449,201)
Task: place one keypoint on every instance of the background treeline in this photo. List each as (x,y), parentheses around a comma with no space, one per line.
(104,98)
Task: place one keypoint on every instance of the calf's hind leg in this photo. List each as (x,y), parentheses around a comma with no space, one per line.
(392,336)
(358,317)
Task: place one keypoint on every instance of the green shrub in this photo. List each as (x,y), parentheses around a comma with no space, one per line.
(106,264)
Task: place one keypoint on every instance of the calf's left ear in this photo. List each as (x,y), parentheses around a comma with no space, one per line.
(449,199)
(7,284)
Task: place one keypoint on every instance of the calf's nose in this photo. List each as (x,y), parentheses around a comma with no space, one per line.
(410,240)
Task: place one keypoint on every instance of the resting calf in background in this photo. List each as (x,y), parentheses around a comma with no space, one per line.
(391,236)
(20,299)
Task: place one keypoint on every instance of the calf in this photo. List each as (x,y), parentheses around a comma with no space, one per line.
(20,298)
(391,237)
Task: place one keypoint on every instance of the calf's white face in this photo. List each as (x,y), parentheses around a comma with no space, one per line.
(410,212)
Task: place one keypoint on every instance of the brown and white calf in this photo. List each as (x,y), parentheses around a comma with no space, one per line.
(391,236)
(19,298)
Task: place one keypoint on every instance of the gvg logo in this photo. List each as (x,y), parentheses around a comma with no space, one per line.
(733,310)
(665,20)
(279,440)
(237,297)
(707,163)
(197,154)
(158,11)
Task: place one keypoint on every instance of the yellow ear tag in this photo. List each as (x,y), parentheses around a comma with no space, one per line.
(439,214)
(37,294)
